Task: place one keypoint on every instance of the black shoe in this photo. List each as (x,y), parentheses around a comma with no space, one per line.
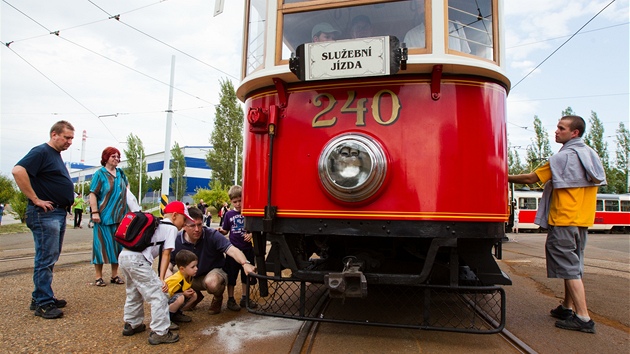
(248,304)
(574,323)
(232,305)
(179,317)
(60,303)
(130,331)
(561,313)
(169,337)
(48,311)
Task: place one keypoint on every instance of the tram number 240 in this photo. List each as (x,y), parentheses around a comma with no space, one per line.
(357,107)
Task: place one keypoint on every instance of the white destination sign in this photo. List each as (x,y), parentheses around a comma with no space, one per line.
(347,58)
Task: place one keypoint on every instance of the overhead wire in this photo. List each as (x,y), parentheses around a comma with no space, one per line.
(61,88)
(562,45)
(117,17)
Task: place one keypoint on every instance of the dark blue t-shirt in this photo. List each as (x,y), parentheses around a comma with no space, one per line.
(48,175)
(234,222)
(209,249)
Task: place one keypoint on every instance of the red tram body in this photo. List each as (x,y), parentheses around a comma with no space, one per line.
(355,180)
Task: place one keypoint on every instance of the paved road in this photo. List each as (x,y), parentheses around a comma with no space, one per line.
(529,299)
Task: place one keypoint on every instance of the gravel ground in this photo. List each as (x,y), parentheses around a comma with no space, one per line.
(93,319)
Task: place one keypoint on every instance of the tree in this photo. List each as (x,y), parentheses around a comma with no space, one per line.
(215,197)
(7,189)
(539,150)
(19,203)
(622,156)
(227,137)
(514,161)
(154,183)
(594,137)
(136,169)
(178,170)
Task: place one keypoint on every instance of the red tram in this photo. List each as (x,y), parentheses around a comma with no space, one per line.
(356,149)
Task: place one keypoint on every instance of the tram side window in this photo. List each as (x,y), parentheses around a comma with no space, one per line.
(599,206)
(383,19)
(256,35)
(527,203)
(625,205)
(611,205)
(470,27)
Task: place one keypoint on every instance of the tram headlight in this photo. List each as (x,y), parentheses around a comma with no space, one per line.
(352,167)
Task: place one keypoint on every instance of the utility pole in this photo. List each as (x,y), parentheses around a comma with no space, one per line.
(140,173)
(166,172)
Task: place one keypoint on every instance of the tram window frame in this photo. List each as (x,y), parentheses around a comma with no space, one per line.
(625,205)
(526,203)
(599,205)
(468,30)
(611,205)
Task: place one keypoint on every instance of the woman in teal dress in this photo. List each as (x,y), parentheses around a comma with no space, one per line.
(108,202)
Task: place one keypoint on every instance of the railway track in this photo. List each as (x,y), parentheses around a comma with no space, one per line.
(309,336)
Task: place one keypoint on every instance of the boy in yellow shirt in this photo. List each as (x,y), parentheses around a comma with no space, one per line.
(181,295)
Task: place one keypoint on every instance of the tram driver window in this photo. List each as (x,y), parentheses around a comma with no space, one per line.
(382,19)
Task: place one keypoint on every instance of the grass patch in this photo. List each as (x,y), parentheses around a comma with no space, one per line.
(13,229)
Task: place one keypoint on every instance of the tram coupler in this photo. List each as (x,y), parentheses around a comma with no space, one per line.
(351,282)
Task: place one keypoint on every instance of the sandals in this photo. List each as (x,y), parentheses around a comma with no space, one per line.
(100,282)
(116,280)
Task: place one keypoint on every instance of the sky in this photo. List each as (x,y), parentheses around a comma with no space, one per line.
(111,77)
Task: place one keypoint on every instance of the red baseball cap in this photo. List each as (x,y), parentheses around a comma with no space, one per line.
(179,208)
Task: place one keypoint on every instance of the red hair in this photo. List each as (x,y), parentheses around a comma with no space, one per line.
(109,151)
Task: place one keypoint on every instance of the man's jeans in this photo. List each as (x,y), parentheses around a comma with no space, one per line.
(48,230)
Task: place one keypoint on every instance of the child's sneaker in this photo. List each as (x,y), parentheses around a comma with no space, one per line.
(574,323)
(130,331)
(561,312)
(248,304)
(173,327)
(167,338)
(232,305)
(179,317)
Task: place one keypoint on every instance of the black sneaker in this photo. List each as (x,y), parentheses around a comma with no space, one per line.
(169,337)
(561,313)
(574,323)
(130,331)
(179,317)
(48,311)
(232,305)
(60,303)
(249,305)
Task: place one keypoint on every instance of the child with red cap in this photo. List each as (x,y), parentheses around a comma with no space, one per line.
(144,285)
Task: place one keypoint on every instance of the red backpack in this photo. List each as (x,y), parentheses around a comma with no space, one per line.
(136,230)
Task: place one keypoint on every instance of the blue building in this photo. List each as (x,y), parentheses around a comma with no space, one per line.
(197,173)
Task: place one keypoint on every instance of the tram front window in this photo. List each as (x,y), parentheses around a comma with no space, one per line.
(469,28)
(256,35)
(383,19)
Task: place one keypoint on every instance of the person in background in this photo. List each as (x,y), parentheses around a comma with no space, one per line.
(108,204)
(324,32)
(202,206)
(77,207)
(567,209)
(44,179)
(1,212)
(360,27)
(234,224)
(224,209)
